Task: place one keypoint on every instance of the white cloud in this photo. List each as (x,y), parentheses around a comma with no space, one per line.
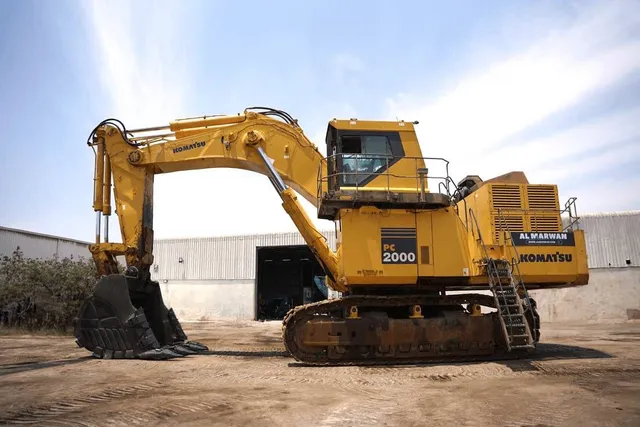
(139,60)
(146,77)
(560,155)
(607,194)
(471,122)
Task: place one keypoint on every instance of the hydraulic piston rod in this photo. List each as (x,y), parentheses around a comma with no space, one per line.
(276,179)
(315,239)
(106,199)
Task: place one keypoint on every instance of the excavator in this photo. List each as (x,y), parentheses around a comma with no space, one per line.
(425,269)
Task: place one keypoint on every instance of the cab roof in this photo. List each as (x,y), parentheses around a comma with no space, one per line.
(372,125)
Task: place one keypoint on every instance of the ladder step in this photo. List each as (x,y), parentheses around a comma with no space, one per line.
(522,346)
(520,336)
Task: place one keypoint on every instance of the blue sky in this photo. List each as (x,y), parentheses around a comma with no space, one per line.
(550,88)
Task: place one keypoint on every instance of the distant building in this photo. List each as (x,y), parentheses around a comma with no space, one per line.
(38,245)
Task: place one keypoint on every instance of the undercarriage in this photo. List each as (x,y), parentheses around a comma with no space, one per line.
(373,330)
(127,318)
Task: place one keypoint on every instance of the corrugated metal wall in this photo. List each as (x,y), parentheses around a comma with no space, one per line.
(229,257)
(36,245)
(612,238)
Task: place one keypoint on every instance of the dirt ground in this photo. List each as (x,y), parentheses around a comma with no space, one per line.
(584,375)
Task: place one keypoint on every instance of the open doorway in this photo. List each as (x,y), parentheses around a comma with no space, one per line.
(286,276)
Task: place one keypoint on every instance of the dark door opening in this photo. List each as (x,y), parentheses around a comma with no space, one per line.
(286,276)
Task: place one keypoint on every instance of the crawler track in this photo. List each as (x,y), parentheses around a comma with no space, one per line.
(333,310)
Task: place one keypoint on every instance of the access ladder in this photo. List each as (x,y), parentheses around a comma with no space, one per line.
(505,287)
(510,308)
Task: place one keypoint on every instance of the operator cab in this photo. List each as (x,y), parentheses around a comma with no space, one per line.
(376,163)
(357,156)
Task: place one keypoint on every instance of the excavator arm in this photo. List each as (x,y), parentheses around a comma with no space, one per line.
(253,141)
(249,141)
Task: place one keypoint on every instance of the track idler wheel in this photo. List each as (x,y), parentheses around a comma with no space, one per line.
(126,318)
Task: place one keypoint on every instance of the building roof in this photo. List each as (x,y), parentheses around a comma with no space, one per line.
(47,236)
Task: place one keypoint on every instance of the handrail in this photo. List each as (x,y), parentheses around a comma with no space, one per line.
(571,202)
(417,176)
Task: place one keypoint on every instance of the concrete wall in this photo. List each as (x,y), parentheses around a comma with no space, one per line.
(612,295)
(194,300)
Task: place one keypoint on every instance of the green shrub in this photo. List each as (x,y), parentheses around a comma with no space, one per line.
(43,293)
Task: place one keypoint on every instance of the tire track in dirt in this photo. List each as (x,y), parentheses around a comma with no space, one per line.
(541,413)
(40,413)
(360,412)
(146,415)
(266,369)
(401,375)
(585,370)
(346,378)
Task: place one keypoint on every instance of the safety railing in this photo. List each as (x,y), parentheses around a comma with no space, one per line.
(354,171)
(571,208)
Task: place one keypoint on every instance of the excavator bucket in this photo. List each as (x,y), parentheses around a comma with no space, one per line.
(125,317)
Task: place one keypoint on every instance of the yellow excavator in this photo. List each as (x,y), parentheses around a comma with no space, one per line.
(423,272)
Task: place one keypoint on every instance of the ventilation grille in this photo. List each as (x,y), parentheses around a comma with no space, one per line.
(542,197)
(506,197)
(545,223)
(508,223)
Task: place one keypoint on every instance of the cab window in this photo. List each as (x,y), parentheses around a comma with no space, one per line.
(364,156)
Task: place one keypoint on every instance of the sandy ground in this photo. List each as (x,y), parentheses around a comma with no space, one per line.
(584,375)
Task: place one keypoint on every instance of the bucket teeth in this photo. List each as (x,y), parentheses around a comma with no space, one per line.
(177,348)
(159,354)
(195,346)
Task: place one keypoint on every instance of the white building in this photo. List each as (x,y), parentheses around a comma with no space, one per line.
(38,245)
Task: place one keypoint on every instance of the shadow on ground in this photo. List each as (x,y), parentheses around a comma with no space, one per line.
(32,366)
(546,351)
(550,351)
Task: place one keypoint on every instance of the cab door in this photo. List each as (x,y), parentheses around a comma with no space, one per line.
(333,163)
